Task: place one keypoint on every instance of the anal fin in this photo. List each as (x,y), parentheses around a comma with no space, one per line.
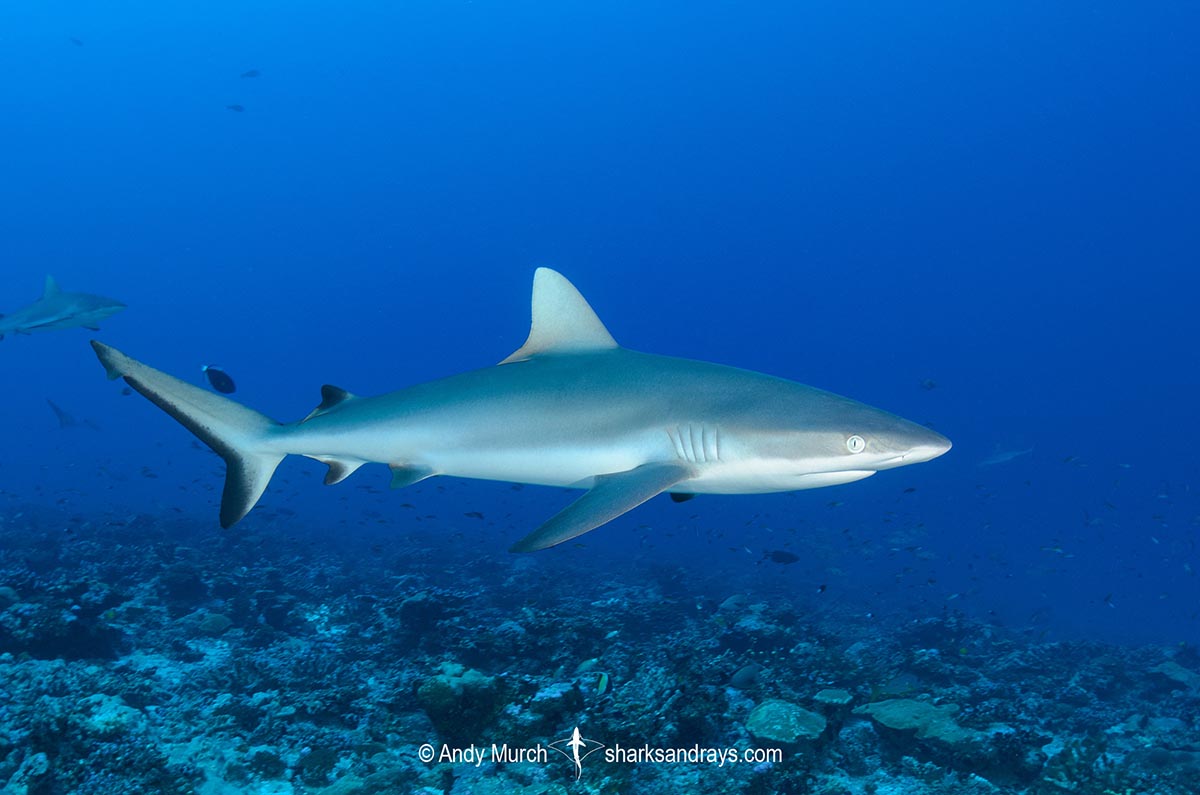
(611,496)
(339,468)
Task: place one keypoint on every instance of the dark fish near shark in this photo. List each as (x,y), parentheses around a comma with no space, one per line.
(57,310)
(219,379)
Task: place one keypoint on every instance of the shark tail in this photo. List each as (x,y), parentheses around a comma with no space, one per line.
(237,434)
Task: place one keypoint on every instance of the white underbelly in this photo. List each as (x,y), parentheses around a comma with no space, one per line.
(555,467)
(759,477)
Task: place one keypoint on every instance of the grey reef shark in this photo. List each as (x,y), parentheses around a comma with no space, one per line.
(57,309)
(569,408)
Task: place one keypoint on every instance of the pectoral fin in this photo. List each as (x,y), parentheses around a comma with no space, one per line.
(611,496)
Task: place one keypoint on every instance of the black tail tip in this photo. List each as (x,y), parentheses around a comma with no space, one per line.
(105,354)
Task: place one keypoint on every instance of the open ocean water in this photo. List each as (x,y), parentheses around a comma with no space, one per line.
(982,217)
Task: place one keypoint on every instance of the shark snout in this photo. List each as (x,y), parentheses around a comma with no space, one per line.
(915,446)
(929,450)
(926,447)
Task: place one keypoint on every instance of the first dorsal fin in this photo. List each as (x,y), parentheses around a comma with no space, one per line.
(331,397)
(563,322)
(51,288)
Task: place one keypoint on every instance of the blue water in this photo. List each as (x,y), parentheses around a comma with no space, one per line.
(982,217)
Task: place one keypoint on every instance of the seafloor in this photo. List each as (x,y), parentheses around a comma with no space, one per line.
(139,655)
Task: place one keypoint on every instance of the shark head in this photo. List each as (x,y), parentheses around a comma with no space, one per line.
(88,310)
(823,439)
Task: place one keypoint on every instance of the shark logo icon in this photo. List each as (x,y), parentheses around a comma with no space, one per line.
(577,749)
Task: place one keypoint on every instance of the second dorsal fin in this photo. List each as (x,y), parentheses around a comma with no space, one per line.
(331,398)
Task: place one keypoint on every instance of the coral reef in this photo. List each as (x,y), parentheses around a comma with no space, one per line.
(777,721)
(196,661)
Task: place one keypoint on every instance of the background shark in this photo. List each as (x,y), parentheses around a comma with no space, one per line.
(57,309)
(568,408)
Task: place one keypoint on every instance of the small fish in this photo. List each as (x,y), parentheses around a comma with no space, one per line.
(822,587)
(780,556)
(928,384)
(586,665)
(746,677)
(250,73)
(75,41)
(474,514)
(219,379)
(236,108)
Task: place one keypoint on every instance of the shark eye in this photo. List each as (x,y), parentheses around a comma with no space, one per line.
(856,444)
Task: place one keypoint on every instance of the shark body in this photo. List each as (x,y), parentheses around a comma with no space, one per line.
(57,309)
(569,408)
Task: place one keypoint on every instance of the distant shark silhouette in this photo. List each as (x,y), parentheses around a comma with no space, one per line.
(56,309)
(569,408)
(1004,456)
(65,420)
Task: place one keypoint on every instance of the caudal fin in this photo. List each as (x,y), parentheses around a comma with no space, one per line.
(234,432)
